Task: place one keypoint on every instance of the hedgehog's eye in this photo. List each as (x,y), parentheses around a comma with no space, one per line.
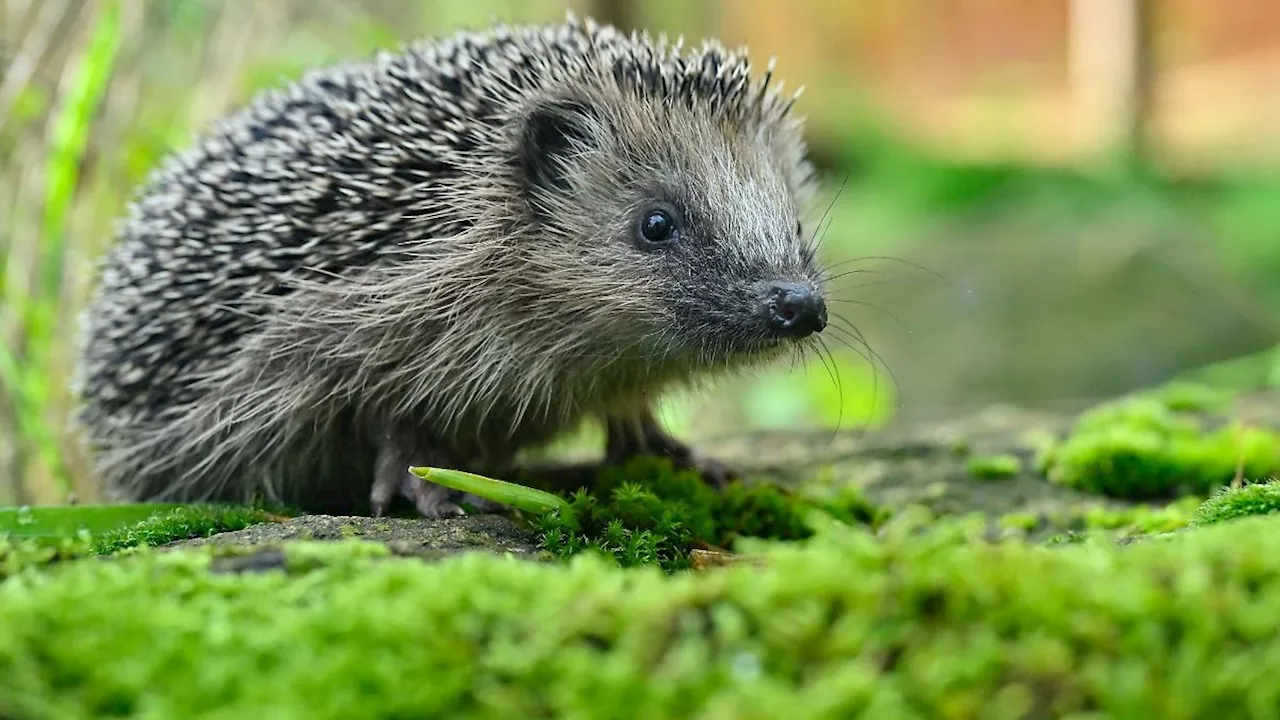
(657,227)
(799,229)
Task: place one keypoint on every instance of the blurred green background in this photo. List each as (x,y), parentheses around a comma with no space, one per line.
(1054,201)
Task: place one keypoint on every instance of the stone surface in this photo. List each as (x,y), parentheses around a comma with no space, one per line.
(429,539)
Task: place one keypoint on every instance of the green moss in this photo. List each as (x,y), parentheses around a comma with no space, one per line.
(180,524)
(926,623)
(19,554)
(1250,499)
(54,522)
(995,467)
(849,505)
(1019,521)
(650,515)
(1141,449)
(165,527)
(645,512)
(1142,519)
(1044,445)
(1102,522)
(1070,537)
(1191,397)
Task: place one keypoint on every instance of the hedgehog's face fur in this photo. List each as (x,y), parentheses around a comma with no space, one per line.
(679,232)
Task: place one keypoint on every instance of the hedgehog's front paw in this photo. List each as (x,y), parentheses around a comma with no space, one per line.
(644,436)
(683,457)
(431,500)
(391,476)
(714,472)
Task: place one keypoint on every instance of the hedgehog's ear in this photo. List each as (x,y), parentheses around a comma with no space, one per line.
(553,130)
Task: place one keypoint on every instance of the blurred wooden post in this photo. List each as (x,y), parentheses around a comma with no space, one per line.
(1112,70)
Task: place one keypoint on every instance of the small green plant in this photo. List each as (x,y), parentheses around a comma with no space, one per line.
(18,554)
(181,523)
(995,467)
(646,512)
(1182,396)
(57,538)
(1023,522)
(1141,519)
(1230,503)
(1142,449)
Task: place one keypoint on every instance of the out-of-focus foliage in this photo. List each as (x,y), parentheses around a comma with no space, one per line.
(919,619)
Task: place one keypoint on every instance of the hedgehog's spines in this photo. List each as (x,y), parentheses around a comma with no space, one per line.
(251,309)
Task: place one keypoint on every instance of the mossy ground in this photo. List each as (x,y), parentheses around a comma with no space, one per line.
(180,524)
(995,467)
(1158,446)
(645,512)
(642,513)
(882,615)
(922,619)
(1227,504)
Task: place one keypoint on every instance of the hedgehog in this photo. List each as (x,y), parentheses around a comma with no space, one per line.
(442,255)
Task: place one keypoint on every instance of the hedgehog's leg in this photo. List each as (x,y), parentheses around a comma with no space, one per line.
(631,435)
(397,452)
(391,476)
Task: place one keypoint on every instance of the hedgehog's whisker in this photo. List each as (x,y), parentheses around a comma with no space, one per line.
(847,336)
(873,306)
(833,370)
(815,246)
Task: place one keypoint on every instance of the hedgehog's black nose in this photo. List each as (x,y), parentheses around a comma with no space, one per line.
(793,310)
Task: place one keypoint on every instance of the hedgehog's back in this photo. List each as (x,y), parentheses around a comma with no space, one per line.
(316,181)
(298,184)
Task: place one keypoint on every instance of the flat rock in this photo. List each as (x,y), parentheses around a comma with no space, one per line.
(429,539)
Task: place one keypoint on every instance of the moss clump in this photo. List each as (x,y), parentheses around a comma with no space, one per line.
(19,554)
(1140,519)
(162,528)
(1228,503)
(917,623)
(182,523)
(1142,449)
(646,512)
(994,467)
(1022,522)
(848,505)
(1181,396)
(1104,522)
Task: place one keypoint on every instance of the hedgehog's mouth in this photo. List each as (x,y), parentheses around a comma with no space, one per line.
(748,343)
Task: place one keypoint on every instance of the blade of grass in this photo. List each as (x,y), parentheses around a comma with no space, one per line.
(26,374)
(518,496)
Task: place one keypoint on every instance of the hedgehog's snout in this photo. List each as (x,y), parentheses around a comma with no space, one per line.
(792,310)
